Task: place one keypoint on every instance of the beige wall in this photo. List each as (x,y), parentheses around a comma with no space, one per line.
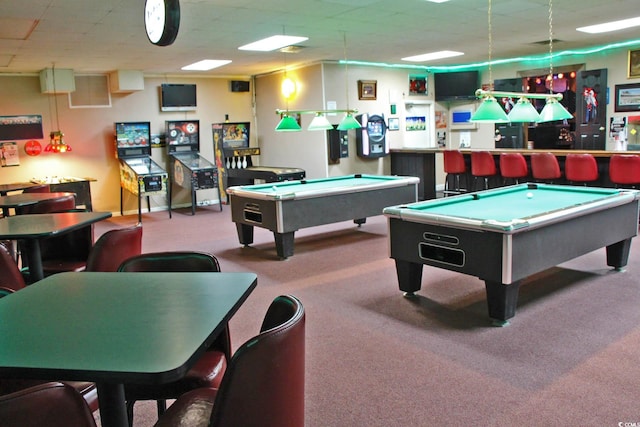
(90,132)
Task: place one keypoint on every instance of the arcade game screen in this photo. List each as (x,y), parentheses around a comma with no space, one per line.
(235,135)
(183,133)
(133,134)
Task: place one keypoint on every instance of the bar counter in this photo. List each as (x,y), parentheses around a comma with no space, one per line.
(421,162)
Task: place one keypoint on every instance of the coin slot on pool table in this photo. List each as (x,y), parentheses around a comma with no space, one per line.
(442,254)
(441,238)
(252,213)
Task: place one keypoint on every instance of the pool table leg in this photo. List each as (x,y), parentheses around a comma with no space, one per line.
(284,244)
(618,254)
(409,277)
(502,301)
(360,221)
(245,234)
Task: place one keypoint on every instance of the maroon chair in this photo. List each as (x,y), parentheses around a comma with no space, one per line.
(11,278)
(44,188)
(264,382)
(624,170)
(580,168)
(545,167)
(454,167)
(50,404)
(483,166)
(113,247)
(209,369)
(513,166)
(61,204)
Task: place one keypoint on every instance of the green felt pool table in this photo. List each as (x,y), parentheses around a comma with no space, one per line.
(285,207)
(507,234)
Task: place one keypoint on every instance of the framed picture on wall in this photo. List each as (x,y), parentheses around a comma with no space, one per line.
(627,98)
(633,69)
(367,89)
(394,123)
(417,84)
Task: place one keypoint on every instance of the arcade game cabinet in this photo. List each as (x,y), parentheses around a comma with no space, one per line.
(139,174)
(188,169)
(233,158)
(371,138)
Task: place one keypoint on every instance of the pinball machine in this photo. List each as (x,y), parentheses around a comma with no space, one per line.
(139,173)
(188,169)
(234,158)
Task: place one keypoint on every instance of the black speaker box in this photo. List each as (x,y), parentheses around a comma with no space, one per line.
(239,86)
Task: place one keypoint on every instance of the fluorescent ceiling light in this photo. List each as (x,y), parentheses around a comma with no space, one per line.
(611,26)
(433,55)
(273,43)
(438,1)
(206,64)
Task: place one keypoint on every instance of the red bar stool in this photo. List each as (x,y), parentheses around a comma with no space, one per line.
(454,167)
(513,166)
(581,168)
(545,167)
(624,170)
(482,166)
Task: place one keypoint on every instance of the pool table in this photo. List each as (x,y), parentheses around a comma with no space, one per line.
(507,234)
(285,207)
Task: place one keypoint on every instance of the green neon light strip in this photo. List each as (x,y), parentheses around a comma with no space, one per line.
(497,61)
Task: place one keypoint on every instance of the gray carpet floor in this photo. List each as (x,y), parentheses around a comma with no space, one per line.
(571,355)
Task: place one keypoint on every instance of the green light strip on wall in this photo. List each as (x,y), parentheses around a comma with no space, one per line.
(461,67)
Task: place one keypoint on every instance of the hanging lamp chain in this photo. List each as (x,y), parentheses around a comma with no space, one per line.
(490,44)
(551,46)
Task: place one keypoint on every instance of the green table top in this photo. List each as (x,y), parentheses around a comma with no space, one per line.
(513,206)
(116,327)
(322,186)
(43,225)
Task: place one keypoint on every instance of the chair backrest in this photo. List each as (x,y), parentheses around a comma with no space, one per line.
(11,278)
(46,405)
(264,381)
(62,204)
(513,165)
(180,261)
(580,167)
(544,166)
(454,162)
(115,246)
(624,169)
(171,261)
(483,164)
(44,188)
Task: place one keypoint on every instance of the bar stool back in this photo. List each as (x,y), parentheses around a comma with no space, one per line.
(513,166)
(624,170)
(581,168)
(545,167)
(482,166)
(454,167)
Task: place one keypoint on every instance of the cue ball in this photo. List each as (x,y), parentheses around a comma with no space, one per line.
(274,188)
(529,195)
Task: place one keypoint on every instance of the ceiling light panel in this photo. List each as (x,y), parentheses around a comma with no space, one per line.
(611,26)
(432,56)
(273,43)
(206,64)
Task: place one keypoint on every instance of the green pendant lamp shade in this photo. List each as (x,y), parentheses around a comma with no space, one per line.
(554,110)
(320,122)
(523,111)
(349,122)
(288,124)
(490,112)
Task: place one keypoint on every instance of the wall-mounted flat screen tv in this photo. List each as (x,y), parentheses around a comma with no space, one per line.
(178,97)
(456,86)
